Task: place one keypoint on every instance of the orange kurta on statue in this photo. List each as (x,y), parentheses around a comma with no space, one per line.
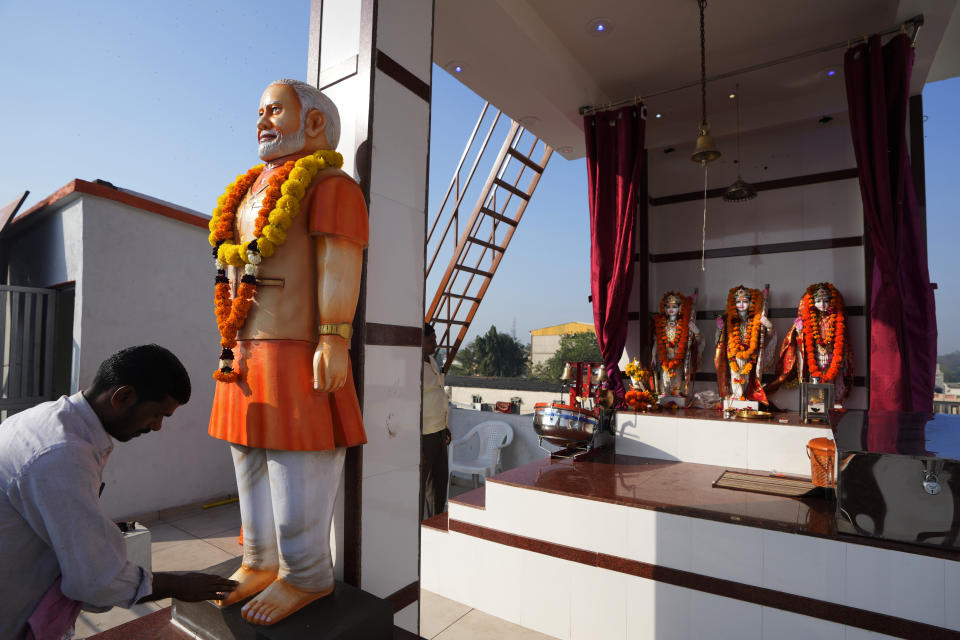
(273,405)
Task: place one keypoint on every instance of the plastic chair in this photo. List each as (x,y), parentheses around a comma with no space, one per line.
(493,435)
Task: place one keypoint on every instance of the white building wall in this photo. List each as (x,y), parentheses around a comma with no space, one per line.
(812,212)
(148,278)
(543,347)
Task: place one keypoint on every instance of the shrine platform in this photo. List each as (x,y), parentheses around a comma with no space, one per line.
(627,546)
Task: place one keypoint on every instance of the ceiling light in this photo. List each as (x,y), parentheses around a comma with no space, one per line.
(739,191)
(565,150)
(455,67)
(732,96)
(599,26)
(831,72)
(659,115)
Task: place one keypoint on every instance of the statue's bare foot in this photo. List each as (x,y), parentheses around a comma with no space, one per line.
(278,601)
(251,581)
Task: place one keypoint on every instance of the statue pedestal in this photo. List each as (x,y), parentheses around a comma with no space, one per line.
(347,614)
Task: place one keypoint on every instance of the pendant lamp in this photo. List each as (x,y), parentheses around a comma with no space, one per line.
(706,149)
(739,191)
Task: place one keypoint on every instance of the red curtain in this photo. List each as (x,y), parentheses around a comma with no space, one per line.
(903,324)
(614,166)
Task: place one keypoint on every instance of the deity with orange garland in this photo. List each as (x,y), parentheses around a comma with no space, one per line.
(288,240)
(746,342)
(817,348)
(677,347)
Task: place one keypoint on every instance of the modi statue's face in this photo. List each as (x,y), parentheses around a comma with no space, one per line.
(279,123)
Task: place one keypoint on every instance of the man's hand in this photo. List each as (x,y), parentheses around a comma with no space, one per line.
(330,362)
(190,587)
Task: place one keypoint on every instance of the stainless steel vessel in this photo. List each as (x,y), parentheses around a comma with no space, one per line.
(564,425)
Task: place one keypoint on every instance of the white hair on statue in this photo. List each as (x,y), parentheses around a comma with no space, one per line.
(313,98)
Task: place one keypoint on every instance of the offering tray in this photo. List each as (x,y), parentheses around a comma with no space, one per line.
(748,414)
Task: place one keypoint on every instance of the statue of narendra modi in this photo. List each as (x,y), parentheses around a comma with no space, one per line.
(288,239)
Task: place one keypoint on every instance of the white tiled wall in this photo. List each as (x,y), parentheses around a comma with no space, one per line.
(766,446)
(906,585)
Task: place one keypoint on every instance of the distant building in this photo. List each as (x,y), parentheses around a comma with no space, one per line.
(545,342)
(939,384)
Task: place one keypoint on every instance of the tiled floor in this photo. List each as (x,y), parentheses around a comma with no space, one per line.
(190,540)
(195,539)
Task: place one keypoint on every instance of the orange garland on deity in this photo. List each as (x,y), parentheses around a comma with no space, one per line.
(679,342)
(836,330)
(736,347)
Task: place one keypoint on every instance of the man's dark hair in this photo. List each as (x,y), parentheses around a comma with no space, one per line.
(153,372)
(428,330)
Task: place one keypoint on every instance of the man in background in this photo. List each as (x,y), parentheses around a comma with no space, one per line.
(435,436)
(58,551)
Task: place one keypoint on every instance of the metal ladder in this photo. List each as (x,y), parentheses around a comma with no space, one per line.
(482,243)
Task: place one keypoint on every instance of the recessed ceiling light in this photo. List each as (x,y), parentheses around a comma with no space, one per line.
(455,67)
(600,26)
(659,115)
(831,72)
(565,150)
(732,96)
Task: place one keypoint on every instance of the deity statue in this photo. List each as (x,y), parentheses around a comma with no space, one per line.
(746,342)
(677,347)
(288,240)
(817,347)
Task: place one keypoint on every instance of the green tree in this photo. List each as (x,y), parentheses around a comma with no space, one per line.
(578,347)
(492,354)
(950,364)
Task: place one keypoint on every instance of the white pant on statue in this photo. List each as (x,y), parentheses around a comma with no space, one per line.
(286,508)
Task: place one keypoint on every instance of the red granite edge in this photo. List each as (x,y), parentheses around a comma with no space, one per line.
(476,498)
(440,522)
(153,626)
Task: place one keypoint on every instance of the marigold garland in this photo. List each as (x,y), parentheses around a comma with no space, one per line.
(679,342)
(736,346)
(281,204)
(835,331)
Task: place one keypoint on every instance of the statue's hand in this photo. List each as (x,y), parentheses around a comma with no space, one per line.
(765,321)
(330,363)
(694,328)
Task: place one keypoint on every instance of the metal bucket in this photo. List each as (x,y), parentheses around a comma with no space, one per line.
(564,425)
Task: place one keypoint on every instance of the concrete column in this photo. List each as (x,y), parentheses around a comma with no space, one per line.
(373,59)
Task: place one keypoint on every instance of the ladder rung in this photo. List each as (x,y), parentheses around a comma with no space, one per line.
(488,245)
(486,274)
(497,216)
(444,321)
(525,160)
(462,297)
(512,189)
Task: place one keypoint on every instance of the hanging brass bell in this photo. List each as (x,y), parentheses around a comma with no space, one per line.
(567,372)
(706,149)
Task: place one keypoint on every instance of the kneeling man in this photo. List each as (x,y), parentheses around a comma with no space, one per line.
(58,551)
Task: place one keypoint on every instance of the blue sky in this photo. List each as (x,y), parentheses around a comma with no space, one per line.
(161,99)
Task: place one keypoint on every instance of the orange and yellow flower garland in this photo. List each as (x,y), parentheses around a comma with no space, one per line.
(836,331)
(736,347)
(281,204)
(679,342)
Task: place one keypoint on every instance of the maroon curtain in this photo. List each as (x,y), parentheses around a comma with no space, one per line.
(903,324)
(614,166)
